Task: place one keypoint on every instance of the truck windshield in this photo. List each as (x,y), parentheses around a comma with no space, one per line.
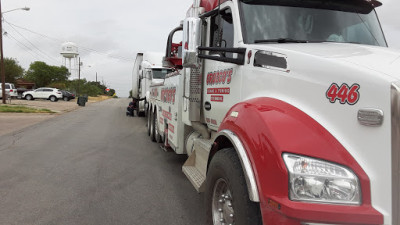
(160,73)
(267,22)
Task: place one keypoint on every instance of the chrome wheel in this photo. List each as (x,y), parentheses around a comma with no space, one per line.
(222,207)
(156,125)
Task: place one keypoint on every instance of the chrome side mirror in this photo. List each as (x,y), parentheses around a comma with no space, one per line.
(191,40)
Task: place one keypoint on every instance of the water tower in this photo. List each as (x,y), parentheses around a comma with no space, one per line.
(69,51)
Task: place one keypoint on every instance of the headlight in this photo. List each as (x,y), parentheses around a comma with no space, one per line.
(313,180)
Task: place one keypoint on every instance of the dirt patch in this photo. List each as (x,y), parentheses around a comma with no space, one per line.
(11,122)
(58,107)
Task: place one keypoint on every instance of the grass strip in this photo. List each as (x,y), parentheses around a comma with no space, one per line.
(22,109)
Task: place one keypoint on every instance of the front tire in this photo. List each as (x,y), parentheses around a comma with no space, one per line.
(227,198)
(66,99)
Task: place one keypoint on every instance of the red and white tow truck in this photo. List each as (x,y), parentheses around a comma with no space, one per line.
(288,110)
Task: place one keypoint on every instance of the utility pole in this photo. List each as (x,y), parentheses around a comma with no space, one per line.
(2,69)
(79,74)
(3,73)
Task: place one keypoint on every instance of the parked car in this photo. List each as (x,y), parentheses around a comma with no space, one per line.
(67,95)
(10,89)
(53,94)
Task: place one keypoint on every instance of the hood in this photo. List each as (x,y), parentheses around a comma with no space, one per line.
(379,59)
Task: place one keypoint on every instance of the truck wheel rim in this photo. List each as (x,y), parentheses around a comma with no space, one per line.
(156,125)
(222,207)
(151,125)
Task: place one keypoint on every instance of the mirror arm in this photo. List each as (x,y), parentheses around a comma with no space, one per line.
(239,60)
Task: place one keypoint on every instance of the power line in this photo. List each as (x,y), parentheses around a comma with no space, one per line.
(81,47)
(22,45)
(43,53)
(42,35)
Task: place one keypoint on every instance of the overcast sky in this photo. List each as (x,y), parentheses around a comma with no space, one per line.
(110,33)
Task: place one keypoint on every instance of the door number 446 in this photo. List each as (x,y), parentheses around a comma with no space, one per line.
(344,93)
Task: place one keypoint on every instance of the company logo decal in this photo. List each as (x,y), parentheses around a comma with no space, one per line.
(219,77)
(344,93)
(217,98)
(220,91)
(168,95)
(167,115)
(171,128)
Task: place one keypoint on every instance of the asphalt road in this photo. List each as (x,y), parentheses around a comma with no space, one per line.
(93,166)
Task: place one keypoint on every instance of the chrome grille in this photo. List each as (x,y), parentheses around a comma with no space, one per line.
(395,116)
(195,84)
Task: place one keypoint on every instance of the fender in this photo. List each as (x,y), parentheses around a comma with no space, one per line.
(267,128)
(244,161)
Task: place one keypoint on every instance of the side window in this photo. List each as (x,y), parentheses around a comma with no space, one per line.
(7,86)
(222,30)
(39,90)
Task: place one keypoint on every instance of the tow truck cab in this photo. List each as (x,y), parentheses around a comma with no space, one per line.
(306,93)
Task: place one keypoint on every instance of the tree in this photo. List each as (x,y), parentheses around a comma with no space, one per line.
(43,74)
(84,87)
(12,70)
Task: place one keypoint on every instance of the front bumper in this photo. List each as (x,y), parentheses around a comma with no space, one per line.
(290,212)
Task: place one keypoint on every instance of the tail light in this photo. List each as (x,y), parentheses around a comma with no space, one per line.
(11,90)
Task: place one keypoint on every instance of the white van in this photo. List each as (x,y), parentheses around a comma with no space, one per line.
(10,89)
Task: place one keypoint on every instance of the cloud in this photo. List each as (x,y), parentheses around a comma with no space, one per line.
(109,33)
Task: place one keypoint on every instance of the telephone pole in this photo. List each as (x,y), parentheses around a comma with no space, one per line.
(3,73)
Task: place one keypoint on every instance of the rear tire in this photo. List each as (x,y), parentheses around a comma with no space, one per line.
(157,134)
(152,128)
(141,114)
(148,121)
(29,97)
(53,98)
(227,198)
